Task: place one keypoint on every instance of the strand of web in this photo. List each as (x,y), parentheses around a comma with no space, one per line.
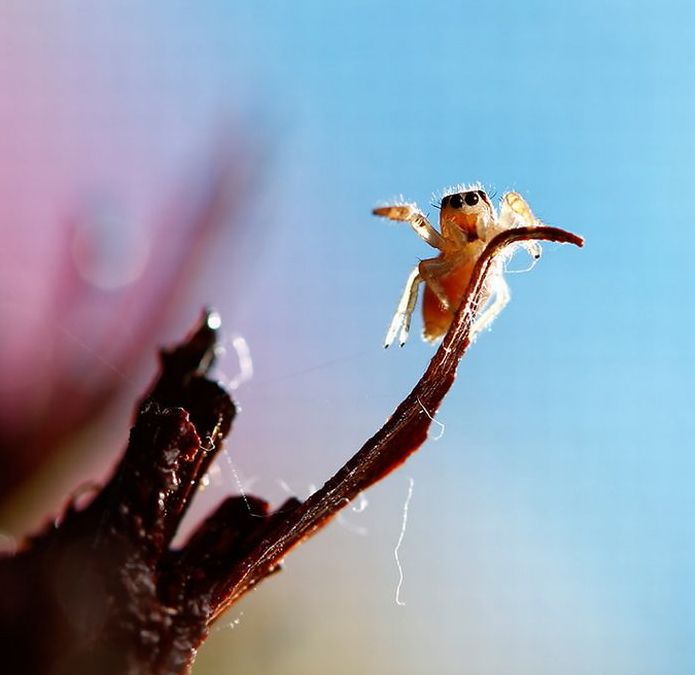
(360,507)
(244,374)
(231,624)
(404,524)
(441,425)
(240,486)
(93,352)
(243,354)
(235,473)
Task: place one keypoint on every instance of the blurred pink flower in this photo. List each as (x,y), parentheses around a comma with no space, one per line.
(80,299)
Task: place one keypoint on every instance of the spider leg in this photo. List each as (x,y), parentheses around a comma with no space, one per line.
(515,212)
(409,213)
(497,299)
(431,270)
(404,311)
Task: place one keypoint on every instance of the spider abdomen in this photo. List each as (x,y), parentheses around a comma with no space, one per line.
(436,319)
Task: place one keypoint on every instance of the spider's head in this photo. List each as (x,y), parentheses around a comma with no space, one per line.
(467,210)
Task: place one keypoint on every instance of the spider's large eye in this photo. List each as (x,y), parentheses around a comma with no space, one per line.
(456,201)
(471,198)
(445,201)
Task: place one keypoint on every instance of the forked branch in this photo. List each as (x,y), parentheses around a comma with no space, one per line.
(102,589)
(402,434)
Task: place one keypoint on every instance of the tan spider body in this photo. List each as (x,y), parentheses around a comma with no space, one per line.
(467,222)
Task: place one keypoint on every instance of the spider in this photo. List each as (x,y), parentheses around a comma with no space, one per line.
(468,221)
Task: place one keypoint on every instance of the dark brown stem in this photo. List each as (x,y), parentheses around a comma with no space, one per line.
(102,589)
(403,433)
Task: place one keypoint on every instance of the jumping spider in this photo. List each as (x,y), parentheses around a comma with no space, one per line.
(468,221)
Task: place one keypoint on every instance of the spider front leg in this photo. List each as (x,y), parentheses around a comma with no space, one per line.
(404,311)
(409,213)
(515,212)
(431,271)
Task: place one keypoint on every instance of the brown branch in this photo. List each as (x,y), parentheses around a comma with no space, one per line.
(403,433)
(102,590)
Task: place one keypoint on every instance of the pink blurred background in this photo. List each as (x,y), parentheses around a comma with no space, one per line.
(159,157)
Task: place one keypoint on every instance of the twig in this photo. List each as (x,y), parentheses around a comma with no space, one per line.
(102,590)
(403,433)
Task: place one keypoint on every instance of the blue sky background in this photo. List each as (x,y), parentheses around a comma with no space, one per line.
(551,527)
